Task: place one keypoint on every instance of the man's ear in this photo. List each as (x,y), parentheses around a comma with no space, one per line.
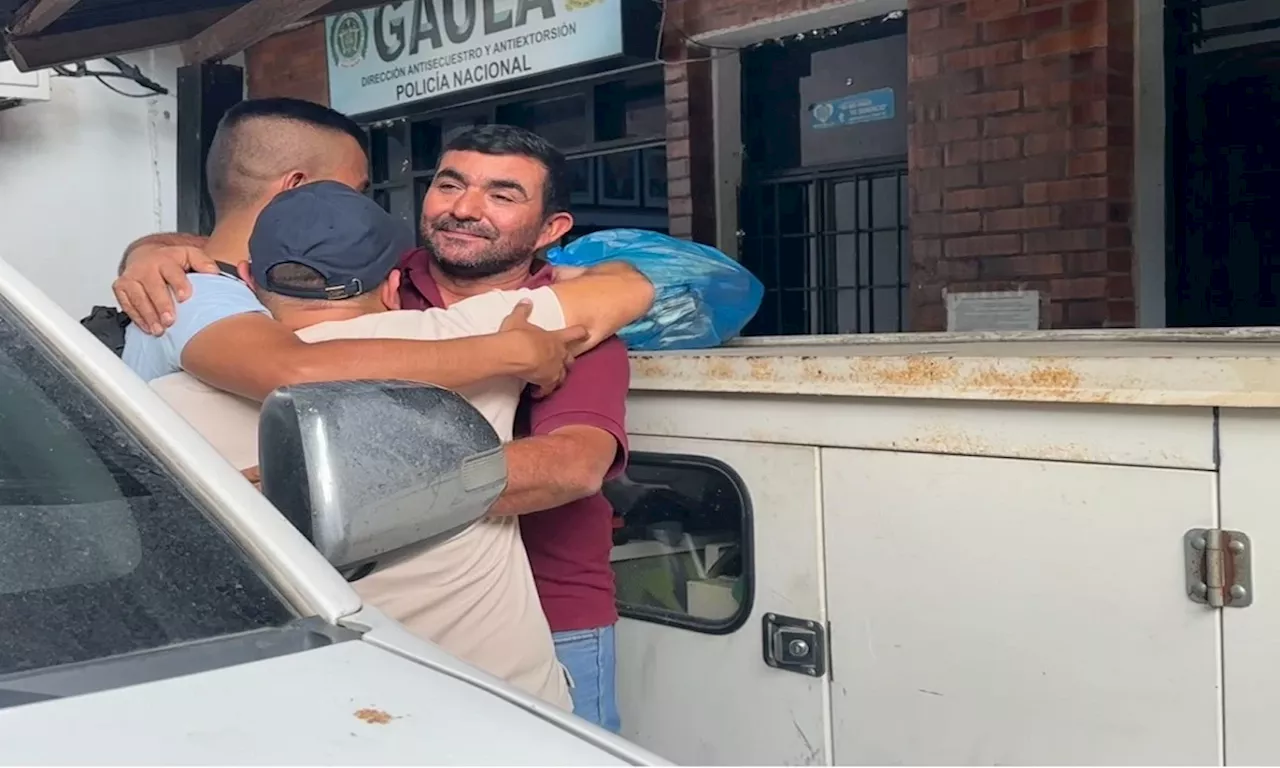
(554,228)
(292,180)
(391,290)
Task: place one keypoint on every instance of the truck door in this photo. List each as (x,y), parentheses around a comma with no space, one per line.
(1250,442)
(722,644)
(992,611)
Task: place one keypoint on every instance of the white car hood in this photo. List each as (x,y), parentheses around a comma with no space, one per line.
(347,704)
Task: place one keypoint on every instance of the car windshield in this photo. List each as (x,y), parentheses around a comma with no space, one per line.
(101,551)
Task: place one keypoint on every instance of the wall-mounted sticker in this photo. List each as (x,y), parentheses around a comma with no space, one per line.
(867,107)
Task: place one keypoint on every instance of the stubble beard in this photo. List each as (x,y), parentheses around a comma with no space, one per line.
(496,258)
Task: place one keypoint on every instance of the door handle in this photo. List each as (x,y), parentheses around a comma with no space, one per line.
(795,645)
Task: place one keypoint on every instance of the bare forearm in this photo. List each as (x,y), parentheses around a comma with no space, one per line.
(451,364)
(549,471)
(162,239)
(537,478)
(605,299)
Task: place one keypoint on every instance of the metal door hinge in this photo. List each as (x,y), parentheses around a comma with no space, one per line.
(795,645)
(1219,568)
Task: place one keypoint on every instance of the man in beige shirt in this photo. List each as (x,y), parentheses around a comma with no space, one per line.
(322,260)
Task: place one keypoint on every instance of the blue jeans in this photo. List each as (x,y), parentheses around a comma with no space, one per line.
(590,657)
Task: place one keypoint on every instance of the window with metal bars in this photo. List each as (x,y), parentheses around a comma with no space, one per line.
(823,214)
(831,250)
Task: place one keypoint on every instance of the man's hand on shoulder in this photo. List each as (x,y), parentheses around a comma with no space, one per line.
(545,355)
(151,267)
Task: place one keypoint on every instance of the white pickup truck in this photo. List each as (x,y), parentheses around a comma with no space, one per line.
(156,609)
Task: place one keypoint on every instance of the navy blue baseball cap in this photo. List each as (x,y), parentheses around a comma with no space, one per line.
(331,228)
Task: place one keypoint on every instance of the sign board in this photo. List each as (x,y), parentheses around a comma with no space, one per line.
(868,107)
(994,311)
(408,51)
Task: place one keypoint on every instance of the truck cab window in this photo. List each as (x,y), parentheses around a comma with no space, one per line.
(682,542)
(101,551)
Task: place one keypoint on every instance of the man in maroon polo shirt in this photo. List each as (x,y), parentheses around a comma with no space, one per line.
(500,195)
(492,183)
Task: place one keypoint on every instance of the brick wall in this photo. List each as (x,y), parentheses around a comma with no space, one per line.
(290,64)
(1021,155)
(691,179)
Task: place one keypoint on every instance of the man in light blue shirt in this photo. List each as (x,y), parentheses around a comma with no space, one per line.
(214,298)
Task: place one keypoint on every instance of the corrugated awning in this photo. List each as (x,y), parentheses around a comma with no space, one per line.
(43,33)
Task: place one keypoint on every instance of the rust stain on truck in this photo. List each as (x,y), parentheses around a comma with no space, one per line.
(1098,372)
(762,368)
(373,716)
(960,442)
(1055,378)
(913,372)
(1052,378)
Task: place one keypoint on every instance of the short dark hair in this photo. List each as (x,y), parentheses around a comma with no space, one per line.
(298,110)
(300,277)
(499,139)
(230,166)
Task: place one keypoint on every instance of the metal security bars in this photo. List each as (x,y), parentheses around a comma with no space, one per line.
(831,248)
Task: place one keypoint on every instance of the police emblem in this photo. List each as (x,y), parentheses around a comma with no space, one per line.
(349,39)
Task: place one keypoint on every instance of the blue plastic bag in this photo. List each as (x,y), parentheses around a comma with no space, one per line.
(702,297)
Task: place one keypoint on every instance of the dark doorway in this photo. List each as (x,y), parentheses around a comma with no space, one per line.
(822,210)
(1224,162)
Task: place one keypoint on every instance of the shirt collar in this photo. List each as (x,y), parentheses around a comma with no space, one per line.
(416,266)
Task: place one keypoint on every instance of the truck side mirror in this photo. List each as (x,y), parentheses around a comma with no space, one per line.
(372,472)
